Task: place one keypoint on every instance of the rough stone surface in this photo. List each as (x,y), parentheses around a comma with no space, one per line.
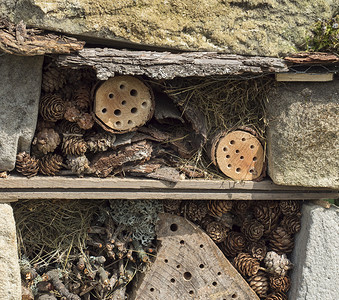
(20,87)
(253,27)
(315,256)
(10,281)
(303,134)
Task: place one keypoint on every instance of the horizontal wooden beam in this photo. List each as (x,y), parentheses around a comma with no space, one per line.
(315,77)
(166,65)
(16,187)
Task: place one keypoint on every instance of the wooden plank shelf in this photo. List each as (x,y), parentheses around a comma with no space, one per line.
(15,188)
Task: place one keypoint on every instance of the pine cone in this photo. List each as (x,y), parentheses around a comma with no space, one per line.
(290,207)
(267,213)
(235,242)
(85,121)
(42,124)
(172,206)
(258,250)
(246,264)
(252,229)
(82,97)
(280,283)
(277,264)
(50,164)
(276,296)
(196,210)
(227,219)
(27,165)
(218,207)
(52,80)
(73,145)
(72,114)
(280,241)
(52,108)
(291,224)
(67,127)
(240,207)
(46,140)
(100,141)
(78,164)
(217,231)
(259,283)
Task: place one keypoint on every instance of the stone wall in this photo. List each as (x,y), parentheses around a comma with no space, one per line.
(250,27)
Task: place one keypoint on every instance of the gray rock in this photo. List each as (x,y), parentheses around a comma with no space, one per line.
(303,134)
(316,259)
(20,87)
(10,280)
(249,27)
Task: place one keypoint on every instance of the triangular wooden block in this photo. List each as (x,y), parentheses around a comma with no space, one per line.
(190,266)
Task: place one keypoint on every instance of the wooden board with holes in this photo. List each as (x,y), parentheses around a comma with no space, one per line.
(122,104)
(189,266)
(240,155)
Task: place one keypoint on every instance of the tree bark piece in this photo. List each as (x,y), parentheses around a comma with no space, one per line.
(189,266)
(312,58)
(104,163)
(165,65)
(31,42)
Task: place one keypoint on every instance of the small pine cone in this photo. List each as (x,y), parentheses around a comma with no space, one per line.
(291,224)
(73,145)
(290,207)
(85,121)
(72,114)
(52,108)
(78,164)
(280,283)
(259,283)
(196,210)
(276,296)
(50,164)
(235,242)
(217,231)
(280,241)
(227,219)
(172,206)
(277,264)
(82,97)
(240,207)
(206,220)
(66,127)
(46,140)
(218,207)
(246,264)
(267,214)
(258,250)
(100,141)
(52,80)
(27,165)
(252,229)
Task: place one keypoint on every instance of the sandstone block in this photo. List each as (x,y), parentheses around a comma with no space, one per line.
(315,255)
(303,134)
(10,280)
(250,27)
(20,87)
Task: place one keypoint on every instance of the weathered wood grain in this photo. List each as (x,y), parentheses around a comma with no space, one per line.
(65,187)
(166,65)
(189,266)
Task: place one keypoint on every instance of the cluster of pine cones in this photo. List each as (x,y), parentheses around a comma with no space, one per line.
(63,126)
(256,236)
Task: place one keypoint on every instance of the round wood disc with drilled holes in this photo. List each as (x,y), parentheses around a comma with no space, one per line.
(240,155)
(122,104)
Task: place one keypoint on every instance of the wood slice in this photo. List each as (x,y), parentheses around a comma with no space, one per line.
(240,155)
(122,104)
(189,265)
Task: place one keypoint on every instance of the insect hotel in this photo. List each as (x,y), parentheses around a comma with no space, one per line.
(176,166)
